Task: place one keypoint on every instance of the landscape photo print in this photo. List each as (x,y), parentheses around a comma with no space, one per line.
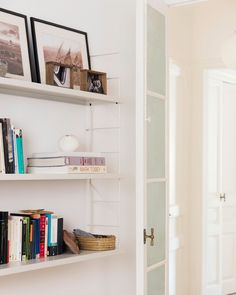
(65,46)
(14,52)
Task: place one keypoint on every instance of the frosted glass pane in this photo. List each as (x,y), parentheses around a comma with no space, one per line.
(155,138)
(156,281)
(156,218)
(156,59)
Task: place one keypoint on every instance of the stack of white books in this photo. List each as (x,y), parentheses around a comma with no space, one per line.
(66,162)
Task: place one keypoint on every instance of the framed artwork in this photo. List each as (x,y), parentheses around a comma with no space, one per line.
(93,81)
(14,45)
(63,46)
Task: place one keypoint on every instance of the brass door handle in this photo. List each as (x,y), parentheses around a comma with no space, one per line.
(223,197)
(151,236)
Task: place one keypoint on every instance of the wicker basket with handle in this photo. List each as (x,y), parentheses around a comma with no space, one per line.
(97,242)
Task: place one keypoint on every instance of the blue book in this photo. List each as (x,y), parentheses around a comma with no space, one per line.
(37,237)
(20,154)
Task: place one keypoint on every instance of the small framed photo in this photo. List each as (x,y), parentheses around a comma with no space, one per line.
(61,45)
(59,75)
(14,46)
(93,81)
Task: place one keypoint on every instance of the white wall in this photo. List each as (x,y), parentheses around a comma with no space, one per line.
(110,26)
(201,30)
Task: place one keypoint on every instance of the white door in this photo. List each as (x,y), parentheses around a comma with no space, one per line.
(229,189)
(213,188)
(152,154)
(155,155)
(221,189)
(175,228)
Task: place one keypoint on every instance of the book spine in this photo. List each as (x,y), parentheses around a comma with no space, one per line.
(23,246)
(42,236)
(67,169)
(15,151)
(53,249)
(31,234)
(27,237)
(20,154)
(54,230)
(86,161)
(3,237)
(100,161)
(13,240)
(10,238)
(10,147)
(34,223)
(17,238)
(74,161)
(46,238)
(2,157)
(65,154)
(8,251)
(5,144)
(87,169)
(36,237)
(49,216)
(18,242)
(60,236)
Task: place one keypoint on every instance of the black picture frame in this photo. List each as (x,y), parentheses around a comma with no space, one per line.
(39,50)
(17,56)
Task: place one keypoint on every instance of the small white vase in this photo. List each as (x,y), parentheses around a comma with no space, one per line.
(68,143)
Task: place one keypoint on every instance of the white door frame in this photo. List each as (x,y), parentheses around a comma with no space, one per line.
(220,75)
(174,207)
(140,137)
(141,92)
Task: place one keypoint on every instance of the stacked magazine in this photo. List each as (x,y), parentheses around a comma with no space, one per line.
(64,162)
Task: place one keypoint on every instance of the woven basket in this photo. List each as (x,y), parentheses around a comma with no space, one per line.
(96,243)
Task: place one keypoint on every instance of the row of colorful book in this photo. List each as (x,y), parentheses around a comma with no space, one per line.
(11,148)
(30,234)
(66,162)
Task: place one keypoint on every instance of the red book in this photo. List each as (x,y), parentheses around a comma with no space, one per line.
(42,236)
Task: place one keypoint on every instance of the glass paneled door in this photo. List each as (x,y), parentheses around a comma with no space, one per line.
(156,193)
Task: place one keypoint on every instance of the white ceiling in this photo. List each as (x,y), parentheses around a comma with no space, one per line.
(182,2)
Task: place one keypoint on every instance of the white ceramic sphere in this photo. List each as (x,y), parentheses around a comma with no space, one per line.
(68,143)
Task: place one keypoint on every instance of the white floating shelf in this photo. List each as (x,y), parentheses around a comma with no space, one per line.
(47,92)
(31,177)
(64,259)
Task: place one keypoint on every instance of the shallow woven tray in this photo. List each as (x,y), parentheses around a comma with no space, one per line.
(96,243)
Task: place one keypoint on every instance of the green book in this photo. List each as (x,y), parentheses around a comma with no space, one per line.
(26,238)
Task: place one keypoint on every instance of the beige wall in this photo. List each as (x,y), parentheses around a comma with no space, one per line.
(180,41)
(196,33)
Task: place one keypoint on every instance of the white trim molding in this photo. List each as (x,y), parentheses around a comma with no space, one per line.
(182,2)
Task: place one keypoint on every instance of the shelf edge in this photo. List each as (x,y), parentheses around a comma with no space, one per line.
(50,262)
